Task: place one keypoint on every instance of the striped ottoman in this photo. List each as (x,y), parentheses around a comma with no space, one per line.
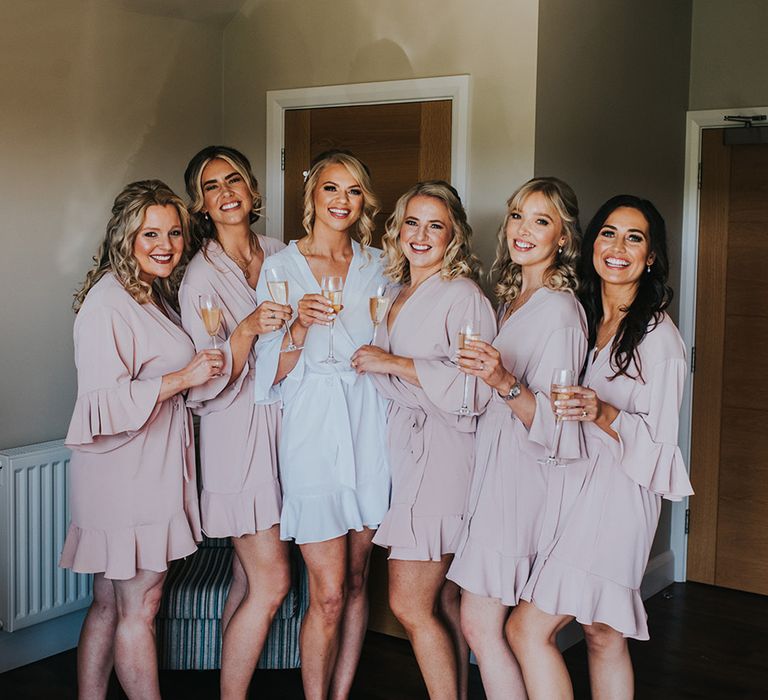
(189,621)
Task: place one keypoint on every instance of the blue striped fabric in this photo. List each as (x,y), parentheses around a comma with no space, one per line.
(189,621)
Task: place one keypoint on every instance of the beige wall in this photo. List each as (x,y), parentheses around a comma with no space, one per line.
(93,97)
(283,44)
(728,54)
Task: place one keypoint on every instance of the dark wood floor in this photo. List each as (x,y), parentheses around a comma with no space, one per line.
(706,642)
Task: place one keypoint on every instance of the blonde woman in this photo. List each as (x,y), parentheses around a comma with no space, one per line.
(516,502)
(133,492)
(241,495)
(332,455)
(431,445)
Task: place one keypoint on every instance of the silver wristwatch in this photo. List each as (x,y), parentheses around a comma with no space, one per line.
(514,391)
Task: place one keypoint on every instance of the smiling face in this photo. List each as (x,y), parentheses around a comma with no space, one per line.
(338,199)
(227,198)
(425,234)
(622,249)
(159,244)
(534,232)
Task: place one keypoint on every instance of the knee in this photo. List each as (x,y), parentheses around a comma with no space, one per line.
(603,640)
(328,603)
(278,589)
(409,612)
(522,635)
(357,582)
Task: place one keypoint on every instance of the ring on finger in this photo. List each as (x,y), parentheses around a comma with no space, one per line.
(584,413)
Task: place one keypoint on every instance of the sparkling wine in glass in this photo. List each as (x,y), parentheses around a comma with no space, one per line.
(210,311)
(469,330)
(332,287)
(277,284)
(377,306)
(562,379)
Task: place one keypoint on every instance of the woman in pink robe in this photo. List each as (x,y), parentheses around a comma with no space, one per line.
(431,445)
(241,495)
(515,500)
(133,488)
(629,404)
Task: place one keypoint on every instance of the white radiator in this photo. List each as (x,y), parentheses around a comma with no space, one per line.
(34,513)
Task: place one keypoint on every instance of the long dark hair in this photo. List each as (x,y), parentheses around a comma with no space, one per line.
(653,293)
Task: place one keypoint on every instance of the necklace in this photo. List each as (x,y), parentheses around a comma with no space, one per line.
(606,332)
(242,263)
(522,299)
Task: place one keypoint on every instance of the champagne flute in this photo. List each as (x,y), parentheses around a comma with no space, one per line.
(561,379)
(277,284)
(210,311)
(377,305)
(469,330)
(332,287)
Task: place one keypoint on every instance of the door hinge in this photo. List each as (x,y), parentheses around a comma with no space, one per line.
(687,520)
(698,177)
(282,159)
(693,359)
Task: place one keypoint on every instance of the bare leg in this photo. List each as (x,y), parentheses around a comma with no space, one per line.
(532,634)
(95,650)
(264,560)
(355,619)
(138,600)
(414,591)
(450,606)
(236,593)
(319,639)
(482,620)
(610,667)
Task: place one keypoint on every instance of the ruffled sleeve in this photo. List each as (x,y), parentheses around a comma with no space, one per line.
(647,449)
(214,395)
(440,379)
(112,404)
(268,353)
(565,348)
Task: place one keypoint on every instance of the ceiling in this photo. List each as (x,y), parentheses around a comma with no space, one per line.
(213,11)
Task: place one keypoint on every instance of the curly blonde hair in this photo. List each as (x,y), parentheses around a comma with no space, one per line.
(562,274)
(363,231)
(115,253)
(202,226)
(458,261)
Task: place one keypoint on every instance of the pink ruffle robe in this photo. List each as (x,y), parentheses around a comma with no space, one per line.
(238,439)
(431,446)
(133,492)
(333,465)
(594,568)
(515,503)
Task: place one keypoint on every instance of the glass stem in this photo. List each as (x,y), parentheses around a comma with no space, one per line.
(330,342)
(556,438)
(465,401)
(290,337)
(214,345)
(373,337)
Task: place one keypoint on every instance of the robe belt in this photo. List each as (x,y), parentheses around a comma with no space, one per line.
(186,435)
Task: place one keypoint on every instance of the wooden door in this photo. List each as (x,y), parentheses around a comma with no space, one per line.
(400,143)
(728,539)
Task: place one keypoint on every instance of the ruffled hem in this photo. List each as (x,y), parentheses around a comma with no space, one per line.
(122,411)
(430,537)
(321,517)
(119,554)
(485,571)
(558,588)
(238,514)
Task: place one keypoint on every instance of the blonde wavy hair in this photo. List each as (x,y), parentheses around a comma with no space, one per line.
(202,226)
(458,261)
(115,253)
(562,274)
(363,230)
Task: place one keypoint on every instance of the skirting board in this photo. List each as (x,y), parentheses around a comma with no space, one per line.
(40,641)
(659,574)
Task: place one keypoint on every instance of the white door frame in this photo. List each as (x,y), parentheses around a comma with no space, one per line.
(695,123)
(452,87)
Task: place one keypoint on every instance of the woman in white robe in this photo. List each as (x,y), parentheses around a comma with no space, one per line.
(332,453)
(629,405)
(431,443)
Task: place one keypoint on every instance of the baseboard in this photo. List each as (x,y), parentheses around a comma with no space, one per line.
(31,644)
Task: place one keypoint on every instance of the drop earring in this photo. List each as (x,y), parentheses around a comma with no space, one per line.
(648,269)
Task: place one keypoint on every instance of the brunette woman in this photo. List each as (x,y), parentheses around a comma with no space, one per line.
(431,444)
(517,497)
(238,440)
(333,466)
(133,492)
(628,403)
